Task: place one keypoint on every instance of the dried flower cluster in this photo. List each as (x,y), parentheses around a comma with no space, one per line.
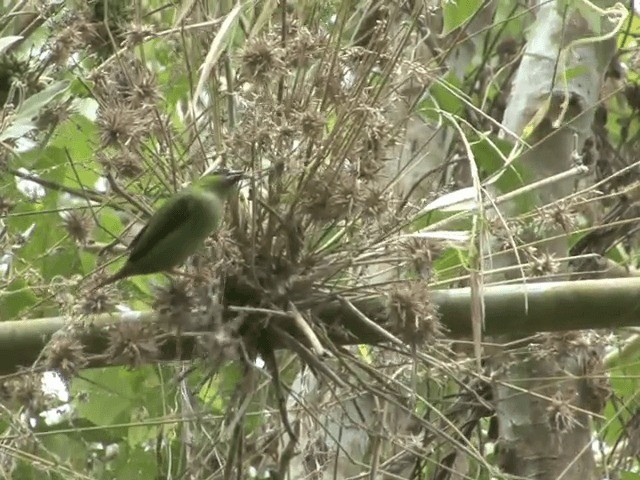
(128,114)
(64,354)
(412,313)
(132,344)
(78,225)
(97,302)
(26,392)
(174,303)
(310,124)
(561,413)
(541,264)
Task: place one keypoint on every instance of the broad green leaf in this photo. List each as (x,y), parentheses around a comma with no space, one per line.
(450,264)
(141,435)
(30,108)
(68,448)
(487,151)
(42,251)
(47,163)
(32,105)
(110,225)
(134,463)
(213,393)
(63,261)
(16,130)
(108,396)
(14,298)
(443,95)
(457,12)
(76,141)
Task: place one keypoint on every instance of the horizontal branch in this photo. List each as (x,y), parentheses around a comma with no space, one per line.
(510,310)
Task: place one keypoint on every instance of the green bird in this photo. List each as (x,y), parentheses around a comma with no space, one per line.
(179,227)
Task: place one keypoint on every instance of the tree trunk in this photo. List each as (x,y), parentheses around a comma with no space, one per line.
(542,400)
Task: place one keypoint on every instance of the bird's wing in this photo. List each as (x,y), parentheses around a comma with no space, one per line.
(167,219)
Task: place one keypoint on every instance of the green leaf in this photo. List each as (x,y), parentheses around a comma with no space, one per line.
(108,396)
(68,449)
(116,395)
(48,163)
(212,393)
(141,435)
(452,263)
(14,298)
(444,95)
(32,105)
(23,121)
(457,12)
(42,251)
(488,151)
(134,463)
(76,139)
(63,261)
(111,225)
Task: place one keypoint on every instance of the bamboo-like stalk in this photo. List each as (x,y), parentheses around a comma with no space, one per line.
(510,310)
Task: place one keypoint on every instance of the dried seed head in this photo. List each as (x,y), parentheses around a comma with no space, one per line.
(541,265)
(312,122)
(64,354)
(304,48)
(140,87)
(595,390)
(226,256)
(421,255)
(136,34)
(329,196)
(412,314)
(560,415)
(87,30)
(376,201)
(78,225)
(174,303)
(26,392)
(561,215)
(109,19)
(69,39)
(262,59)
(119,126)
(97,302)
(132,344)
(124,162)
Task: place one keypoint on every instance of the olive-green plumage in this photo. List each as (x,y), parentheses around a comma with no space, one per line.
(179,227)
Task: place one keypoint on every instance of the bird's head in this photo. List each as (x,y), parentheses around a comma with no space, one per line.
(220,182)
